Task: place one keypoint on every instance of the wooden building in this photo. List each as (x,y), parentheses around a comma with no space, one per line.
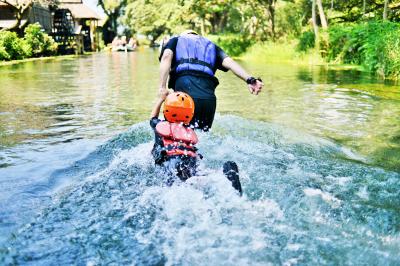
(71,23)
(83,20)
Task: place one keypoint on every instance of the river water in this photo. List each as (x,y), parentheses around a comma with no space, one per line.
(318,152)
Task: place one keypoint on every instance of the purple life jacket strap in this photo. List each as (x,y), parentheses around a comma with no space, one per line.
(194,61)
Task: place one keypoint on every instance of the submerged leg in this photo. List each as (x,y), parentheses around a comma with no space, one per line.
(179,167)
(231,172)
(186,168)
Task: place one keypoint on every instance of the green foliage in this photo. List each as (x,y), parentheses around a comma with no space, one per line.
(354,33)
(3,53)
(306,41)
(12,47)
(289,19)
(40,42)
(153,17)
(233,45)
(376,45)
(350,11)
(35,43)
(282,52)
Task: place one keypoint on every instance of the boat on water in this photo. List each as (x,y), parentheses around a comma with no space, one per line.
(121,45)
(123,48)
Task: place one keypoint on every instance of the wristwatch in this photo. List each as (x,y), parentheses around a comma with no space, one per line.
(252,80)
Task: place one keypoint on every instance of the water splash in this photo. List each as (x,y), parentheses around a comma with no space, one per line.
(306,201)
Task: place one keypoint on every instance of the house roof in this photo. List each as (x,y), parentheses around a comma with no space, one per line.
(70,1)
(80,11)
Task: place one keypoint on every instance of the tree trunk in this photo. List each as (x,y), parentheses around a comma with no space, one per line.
(222,21)
(271,10)
(385,10)
(322,17)
(18,16)
(364,7)
(202,28)
(315,26)
(19,10)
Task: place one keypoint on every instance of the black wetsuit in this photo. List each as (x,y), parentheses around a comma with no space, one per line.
(180,166)
(200,86)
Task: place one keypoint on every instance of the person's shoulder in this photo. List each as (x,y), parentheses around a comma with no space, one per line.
(171,45)
(171,42)
(221,55)
(219,49)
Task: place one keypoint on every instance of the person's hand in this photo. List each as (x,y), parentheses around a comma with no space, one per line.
(163,93)
(256,87)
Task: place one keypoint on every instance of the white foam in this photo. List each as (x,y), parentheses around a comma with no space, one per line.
(311,192)
(363,193)
(204,220)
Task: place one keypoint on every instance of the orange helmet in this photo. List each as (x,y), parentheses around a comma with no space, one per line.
(178,107)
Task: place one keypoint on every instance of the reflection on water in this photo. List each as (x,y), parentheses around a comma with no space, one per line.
(346,106)
(55,113)
(93,95)
(98,95)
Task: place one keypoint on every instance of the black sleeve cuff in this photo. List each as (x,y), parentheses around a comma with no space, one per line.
(154,121)
(253,80)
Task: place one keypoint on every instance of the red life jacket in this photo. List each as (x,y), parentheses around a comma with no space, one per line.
(177,139)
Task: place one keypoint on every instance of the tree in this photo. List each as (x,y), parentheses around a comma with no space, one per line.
(113,9)
(364,7)
(21,6)
(269,5)
(385,9)
(314,23)
(322,17)
(154,17)
(356,10)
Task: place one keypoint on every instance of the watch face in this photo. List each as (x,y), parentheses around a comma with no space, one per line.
(251,80)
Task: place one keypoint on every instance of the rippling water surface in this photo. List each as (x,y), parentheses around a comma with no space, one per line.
(318,152)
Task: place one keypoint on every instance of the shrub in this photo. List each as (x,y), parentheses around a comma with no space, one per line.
(233,45)
(306,41)
(3,53)
(375,45)
(12,47)
(41,43)
(288,19)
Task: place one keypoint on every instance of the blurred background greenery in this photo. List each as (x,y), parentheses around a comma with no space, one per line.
(361,32)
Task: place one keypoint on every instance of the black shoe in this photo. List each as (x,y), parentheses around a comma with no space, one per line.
(231,171)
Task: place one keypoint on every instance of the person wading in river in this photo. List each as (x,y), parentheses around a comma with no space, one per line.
(191,61)
(174,144)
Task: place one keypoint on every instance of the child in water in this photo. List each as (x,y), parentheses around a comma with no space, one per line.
(174,146)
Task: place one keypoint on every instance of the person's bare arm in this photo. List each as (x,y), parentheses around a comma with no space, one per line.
(231,64)
(165,67)
(157,106)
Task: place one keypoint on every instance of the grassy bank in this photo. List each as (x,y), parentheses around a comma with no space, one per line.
(282,52)
(286,52)
(238,46)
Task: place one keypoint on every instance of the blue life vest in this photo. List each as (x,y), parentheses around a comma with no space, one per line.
(194,52)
